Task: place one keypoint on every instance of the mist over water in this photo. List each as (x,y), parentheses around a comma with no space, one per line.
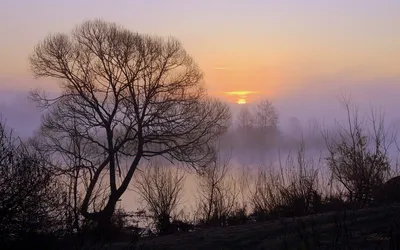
(302,112)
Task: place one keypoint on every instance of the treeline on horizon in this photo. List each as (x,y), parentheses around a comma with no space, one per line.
(128,98)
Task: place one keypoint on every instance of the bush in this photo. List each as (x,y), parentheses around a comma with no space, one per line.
(238,217)
(358,155)
(30,204)
(389,192)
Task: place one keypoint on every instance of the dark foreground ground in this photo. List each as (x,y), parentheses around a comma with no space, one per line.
(373,228)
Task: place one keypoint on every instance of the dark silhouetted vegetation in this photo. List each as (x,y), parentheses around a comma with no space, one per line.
(30,202)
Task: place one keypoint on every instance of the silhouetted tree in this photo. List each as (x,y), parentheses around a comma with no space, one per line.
(131,96)
(266,116)
(70,157)
(160,187)
(266,124)
(358,154)
(245,119)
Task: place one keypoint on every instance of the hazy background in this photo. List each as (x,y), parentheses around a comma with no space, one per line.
(300,54)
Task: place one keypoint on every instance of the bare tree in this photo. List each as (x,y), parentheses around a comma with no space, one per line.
(130,96)
(266,124)
(245,119)
(266,116)
(68,157)
(358,153)
(160,187)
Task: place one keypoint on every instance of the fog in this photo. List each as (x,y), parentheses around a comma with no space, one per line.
(301,112)
(313,99)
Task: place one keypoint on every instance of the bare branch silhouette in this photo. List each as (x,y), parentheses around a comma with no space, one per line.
(218,193)
(160,187)
(30,200)
(358,153)
(131,96)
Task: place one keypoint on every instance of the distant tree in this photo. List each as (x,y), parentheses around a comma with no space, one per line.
(129,96)
(160,187)
(266,116)
(358,155)
(245,119)
(266,123)
(258,130)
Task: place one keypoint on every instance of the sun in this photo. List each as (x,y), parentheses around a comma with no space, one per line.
(241,101)
(241,96)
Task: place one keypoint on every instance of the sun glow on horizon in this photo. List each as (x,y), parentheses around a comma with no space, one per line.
(242,96)
(241,101)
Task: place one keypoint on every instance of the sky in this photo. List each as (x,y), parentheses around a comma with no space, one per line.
(299,54)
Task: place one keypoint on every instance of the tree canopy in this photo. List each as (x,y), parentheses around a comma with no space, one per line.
(125,96)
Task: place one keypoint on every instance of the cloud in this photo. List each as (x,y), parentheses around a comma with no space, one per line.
(221,68)
(241,93)
(229,68)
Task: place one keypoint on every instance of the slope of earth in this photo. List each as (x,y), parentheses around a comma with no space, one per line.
(372,228)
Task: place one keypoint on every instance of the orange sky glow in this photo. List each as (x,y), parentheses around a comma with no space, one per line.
(272,48)
(241,97)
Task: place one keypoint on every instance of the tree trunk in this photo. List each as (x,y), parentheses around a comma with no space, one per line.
(104,227)
(75,207)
